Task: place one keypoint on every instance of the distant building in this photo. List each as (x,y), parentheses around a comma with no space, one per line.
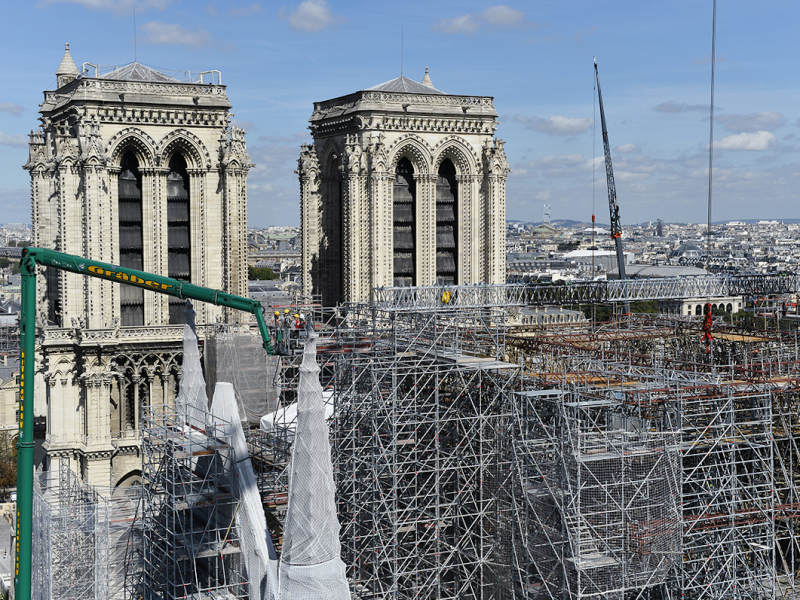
(136,168)
(601,260)
(544,230)
(403,185)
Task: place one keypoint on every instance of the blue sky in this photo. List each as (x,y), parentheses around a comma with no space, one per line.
(535,58)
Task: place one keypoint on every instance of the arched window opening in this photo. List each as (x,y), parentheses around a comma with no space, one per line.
(404,221)
(331,272)
(446,201)
(178,234)
(130,238)
(698,311)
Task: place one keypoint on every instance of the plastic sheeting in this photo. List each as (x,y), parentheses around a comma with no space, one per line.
(310,565)
(260,559)
(192,396)
(284,420)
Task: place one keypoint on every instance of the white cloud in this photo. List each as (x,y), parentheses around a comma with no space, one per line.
(676,107)
(15,140)
(627,149)
(246,10)
(502,16)
(754,122)
(10,108)
(117,6)
(629,176)
(271,195)
(494,17)
(462,24)
(760,140)
(557,125)
(157,32)
(311,15)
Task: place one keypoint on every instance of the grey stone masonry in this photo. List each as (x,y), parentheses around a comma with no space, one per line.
(96,369)
(452,228)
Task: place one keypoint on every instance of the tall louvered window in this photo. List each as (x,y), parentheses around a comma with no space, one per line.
(179,250)
(404,220)
(446,240)
(130,237)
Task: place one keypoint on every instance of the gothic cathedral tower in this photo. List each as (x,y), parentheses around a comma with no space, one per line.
(138,168)
(404,185)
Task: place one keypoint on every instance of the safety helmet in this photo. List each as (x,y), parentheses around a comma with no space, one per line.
(296,316)
(277,313)
(286,312)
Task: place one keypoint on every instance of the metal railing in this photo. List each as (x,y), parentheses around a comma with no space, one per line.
(581,292)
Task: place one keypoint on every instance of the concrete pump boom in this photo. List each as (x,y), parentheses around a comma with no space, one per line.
(82,266)
(616,228)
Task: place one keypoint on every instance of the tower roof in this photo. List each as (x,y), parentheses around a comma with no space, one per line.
(67,66)
(427,79)
(136,71)
(407,86)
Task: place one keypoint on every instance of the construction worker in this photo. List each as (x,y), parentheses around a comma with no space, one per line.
(301,326)
(286,323)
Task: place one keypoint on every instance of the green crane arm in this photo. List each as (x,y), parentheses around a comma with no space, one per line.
(92,268)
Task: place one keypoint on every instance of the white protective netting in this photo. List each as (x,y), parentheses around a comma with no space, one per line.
(310,565)
(192,399)
(259,555)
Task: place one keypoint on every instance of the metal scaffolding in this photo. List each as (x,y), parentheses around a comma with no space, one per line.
(190,546)
(420,438)
(584,292)
(597,494)
(477,460)
(71,541)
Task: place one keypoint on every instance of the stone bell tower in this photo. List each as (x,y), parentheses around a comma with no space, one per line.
(139,168)
(403,185)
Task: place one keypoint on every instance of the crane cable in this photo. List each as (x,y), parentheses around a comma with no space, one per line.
(707,322)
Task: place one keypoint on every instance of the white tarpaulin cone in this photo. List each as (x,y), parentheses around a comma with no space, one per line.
(259,556)
(192,401)
(310,566)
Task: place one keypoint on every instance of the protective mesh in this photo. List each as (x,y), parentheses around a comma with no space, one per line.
(192,400)
(311,567)
(259,555)
(239,358)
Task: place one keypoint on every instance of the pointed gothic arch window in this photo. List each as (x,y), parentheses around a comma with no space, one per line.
(178,232)
(331,256)
(446,238)
(130,237)
(404,221)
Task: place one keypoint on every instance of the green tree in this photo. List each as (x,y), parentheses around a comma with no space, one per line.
(8,463)
(260,273)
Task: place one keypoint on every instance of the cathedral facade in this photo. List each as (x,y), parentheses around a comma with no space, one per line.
(403,185)
(139,169)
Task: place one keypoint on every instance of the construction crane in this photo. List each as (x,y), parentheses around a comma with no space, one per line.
(616,228)
(31,257)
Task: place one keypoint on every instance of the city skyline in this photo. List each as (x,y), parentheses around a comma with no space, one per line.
(536,61)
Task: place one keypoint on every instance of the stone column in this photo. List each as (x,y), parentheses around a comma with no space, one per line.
(464,229)
(154,237)
(425,234)
(310,228)
(382,232)
(353,220)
